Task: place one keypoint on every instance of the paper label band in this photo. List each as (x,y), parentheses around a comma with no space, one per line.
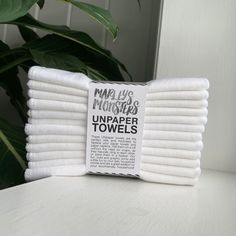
(115,128)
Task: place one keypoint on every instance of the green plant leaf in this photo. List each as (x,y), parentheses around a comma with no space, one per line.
(40,3)
(12,154)
(101,15)
(51,51)
(81,38)
(10,82)
(13,9)
(27,34)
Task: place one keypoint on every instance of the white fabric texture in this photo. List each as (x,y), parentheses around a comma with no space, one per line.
(38,173)
(171,161)
(175,117)
(59,162)
(55,155)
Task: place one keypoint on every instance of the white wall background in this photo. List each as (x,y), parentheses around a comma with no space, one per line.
(135,45)
(198,39)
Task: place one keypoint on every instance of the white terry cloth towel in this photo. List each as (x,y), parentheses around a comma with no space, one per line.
(182,145)
(178,84)
(192,120)
(177,153)
(175,127)
(46,147)
(63,115)
(53,88)
(55,130)
(62,122)
(56,96)
(37,139)
(55,155)
(51,163)
(38,104)
(178,103)
(39,173)
(59,77)
(169,161)
(166,111)
(171,170)
(151,137)
(178,95)
(166,179)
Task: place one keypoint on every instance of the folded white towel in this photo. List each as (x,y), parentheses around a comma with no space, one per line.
(56,139)
(45,114)
(46,147)
(171,170)
(170,161)
(53,88)
(57,122)
(37,104)
(167,179)
(56,96)
(178,84)
(178,103)
(176,120)
(175,127)
(55,155)
(164,152)
(51,163)
(165,111)
(178,95)
(39,173)
(55,129)
(182,145)
(153,136)
(60,77)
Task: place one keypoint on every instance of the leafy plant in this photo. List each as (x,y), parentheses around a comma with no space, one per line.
(61,48)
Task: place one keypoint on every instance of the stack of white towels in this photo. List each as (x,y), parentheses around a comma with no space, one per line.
(175,118)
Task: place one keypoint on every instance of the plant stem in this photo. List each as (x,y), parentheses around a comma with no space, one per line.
(13,150)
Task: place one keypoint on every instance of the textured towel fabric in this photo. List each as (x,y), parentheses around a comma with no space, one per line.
(178,84)
(171,170)
(59,162)
(176,120)
(54,129)
(169,161)
(53,88)
(177,153)
(165,111)
(175,127)
(166,179)
(45,114)
(150,136)
(46,147)
(56,96)
(182,145)
(39,173)
(178,103)
(57,122)
(37,104)
(56,139)
(178,95)
(55,155)
(175,117)
(59,77)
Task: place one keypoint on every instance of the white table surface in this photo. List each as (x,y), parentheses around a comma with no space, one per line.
(98,205)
